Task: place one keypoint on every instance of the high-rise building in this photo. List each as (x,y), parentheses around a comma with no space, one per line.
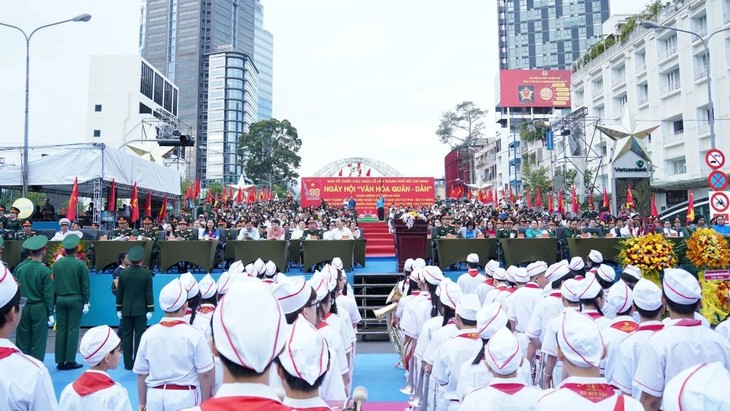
(180,38)
(263,57)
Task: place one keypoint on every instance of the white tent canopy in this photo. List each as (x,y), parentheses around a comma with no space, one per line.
(94,162)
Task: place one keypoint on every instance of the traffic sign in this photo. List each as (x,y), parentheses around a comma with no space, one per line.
(715,158)
(719,202)
(717,180)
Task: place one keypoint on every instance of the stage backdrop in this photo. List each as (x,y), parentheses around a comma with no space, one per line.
(399,190)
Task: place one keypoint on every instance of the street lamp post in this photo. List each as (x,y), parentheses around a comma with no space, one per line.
(79,18)
(705,41)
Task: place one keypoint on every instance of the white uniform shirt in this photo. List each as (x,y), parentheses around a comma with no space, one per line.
(504,393)
(244,392)
(619,329)
(309,403)
(627,357)
(470,281)
(676,348)
(24,382)
(404,302)
(418,312)
(475,376)
(439,336)
(424,337)
(484,288)
(114,398)
(333,387)
(338,234)
(562,398)
(545,309)
(724,329)
(601,321)
(202,319)
(244,234)
(451,355)
(522,303)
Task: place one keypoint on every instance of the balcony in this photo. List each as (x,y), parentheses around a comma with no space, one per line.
(671,138)
(703,129)
(513,161)
(700,74)
(667,53)
(641,100)
(618,81)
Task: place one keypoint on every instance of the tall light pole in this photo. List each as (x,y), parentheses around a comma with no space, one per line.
(705,41)
(79,18)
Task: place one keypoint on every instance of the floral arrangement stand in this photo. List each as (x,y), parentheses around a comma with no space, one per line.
(709,253)
(411,237)
(652,253)
(55,252)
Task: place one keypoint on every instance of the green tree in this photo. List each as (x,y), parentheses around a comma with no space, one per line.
(534,177)
(215,187)
(269,150)
(462,129)
(566,176)
(533,130)
(184,184)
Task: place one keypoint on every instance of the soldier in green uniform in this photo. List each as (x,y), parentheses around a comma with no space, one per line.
(148,232)
(446,228)
(312,232)
(26,232)
(134,303)
(3,218)
(5,234)
(36,285)
(183,233)
(573,230)
(507,231)
(123,231)
(262,232)
(71,281)
(13,222)
(551,229)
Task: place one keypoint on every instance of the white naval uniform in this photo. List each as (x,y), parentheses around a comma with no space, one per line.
(203,316)
(404,302)
(333,387)
(427,331)
(550,344)
(545,309)
(470,281)
(563,398)
(24,381)
(601,321)
(619,329)
(437,338)
(105,397)
(484,288)
(475,376)
(724,329)
(521,304)
(507,394)
(310,404)
(417,313)
(627,357)
(678,346)
(451,355)
(172,352)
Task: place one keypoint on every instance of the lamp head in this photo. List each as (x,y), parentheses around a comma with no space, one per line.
(82,17)
(650,25)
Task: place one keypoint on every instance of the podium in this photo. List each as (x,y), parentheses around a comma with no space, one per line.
(409,242)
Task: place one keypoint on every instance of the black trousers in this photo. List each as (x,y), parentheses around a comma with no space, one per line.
(381,213)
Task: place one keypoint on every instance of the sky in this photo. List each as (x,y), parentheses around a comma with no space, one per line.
(356,78)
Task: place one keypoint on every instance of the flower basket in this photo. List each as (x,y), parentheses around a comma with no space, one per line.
(708,250)
(411,217)
(57,252)
(652,253)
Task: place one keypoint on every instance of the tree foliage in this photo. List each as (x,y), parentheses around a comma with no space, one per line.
(534,177)
(462,127)
(215,187)
(566,176)
(269,151)
(533,131)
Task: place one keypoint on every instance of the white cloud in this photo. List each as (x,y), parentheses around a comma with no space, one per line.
(362,41)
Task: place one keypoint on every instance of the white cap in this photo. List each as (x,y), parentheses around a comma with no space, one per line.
(490,267)
(502,353)
(576,263)
(620,298)
(96,343)
(569,290)
(472,258)
(557,271)
(510,274)
(208,287)
(606,273)
(433,275)
(580,340)
(259,267)
(64,221)
(320,284)
(172,296)
(237,267)
(490,319)
(633,271)
(407,266)
(190,285)
(595,256)
(419,262)
(698,388)
(250,270)
(468,306)
(647,295)
(415,275)
(270,268)
(520,275)
(450,294)
(681,287)
(500,274)
(292,293)
(305,355)
(337,263)
(224,281)
(251,341)
(8,286)
(536,268)
(589,287)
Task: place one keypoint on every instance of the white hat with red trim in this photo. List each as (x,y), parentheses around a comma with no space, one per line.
(681,286)
(536,268)
(250,270)
(620,298)
(270,268)
(576,263)
(570,289)
(259,267)
(96,343)
(292,293)
(468,306)
(407,266)
(337,263)
(502,353)
(416,274)
(500,274)
(190,284)
(698,388)
(305,355)
(320,285)
(557,271)
(8,286)
(251,341)
(472,258)
(510,273)
(449,294)
(589,288)
(490,319)
(237,267)
(173,296)
(224,281)
(419,262)
(606,272)
(633,271)
(580,340)
(208,287)
(595,256)
(490,267)
(433,275)
(520,275)
(647,295)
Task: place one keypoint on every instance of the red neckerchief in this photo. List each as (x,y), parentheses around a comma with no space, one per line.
(242,403)
(502,287)
(188,311)
(6,352)
(206,309)
(686,322)
(470,335)
(556,294)
(511,289)
(508,388)
(91,382)
(323,322)
(532,285)
(489,281)
(593,314)
(594,393)
(473,272)
(171,323)
(651,327)
(625,326)
(415,293)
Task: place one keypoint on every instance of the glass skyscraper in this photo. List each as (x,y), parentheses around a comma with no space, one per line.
(263,57)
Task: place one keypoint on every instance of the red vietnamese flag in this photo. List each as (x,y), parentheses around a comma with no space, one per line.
(528,199)
(629,198)
(251,196)
(653,206)
(575,200)
(163,210)
(691,207)
(239,196)
(468,193)
(73,202)
(225,196)
(148,204)
(230,193)
(368,173)
(209,197)
(196,190)
(489,196)
(134,204)
(511,195)
(606,200)
(538,198)
(551,207)
(496,196)
(112,206)
(561,206)
(340,173)
(189,193)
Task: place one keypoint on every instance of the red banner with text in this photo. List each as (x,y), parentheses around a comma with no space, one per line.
(335,191)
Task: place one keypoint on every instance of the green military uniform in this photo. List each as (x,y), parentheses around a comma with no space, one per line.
(36,284)
(263,235)
(71,281)
(134,301)
(22,235)
(6,234)
(442,232)
(151,233)
(12,224)
(314,233)
(507,233)
(186,234)
(123,233)
(570,233)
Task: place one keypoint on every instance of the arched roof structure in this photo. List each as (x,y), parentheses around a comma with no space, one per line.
(361,165)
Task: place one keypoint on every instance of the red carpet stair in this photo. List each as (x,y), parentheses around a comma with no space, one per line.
(380,241)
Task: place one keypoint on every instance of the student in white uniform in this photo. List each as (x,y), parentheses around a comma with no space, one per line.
(522,303)
(270,273)
(488,285)
(581,348)
(192,288)
(595,259)
(606,277)
(174,364)
(24,381)
(247,345)
(208,299)
(592,300)
(302,367)
(94,389)
(505,391)
(553,369)
(403,284)
(470,280)
(577,266)
(684,342)
(501,285)
(620,301)
(631,274)
(700,387)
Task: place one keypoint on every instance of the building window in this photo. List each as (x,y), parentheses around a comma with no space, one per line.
(670,46)
(148,79)
(671,81)
(97,108)
(97,133)
(700,66)
(159,88)
(619,75)
(677,166)
(642,93)
(678,127)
